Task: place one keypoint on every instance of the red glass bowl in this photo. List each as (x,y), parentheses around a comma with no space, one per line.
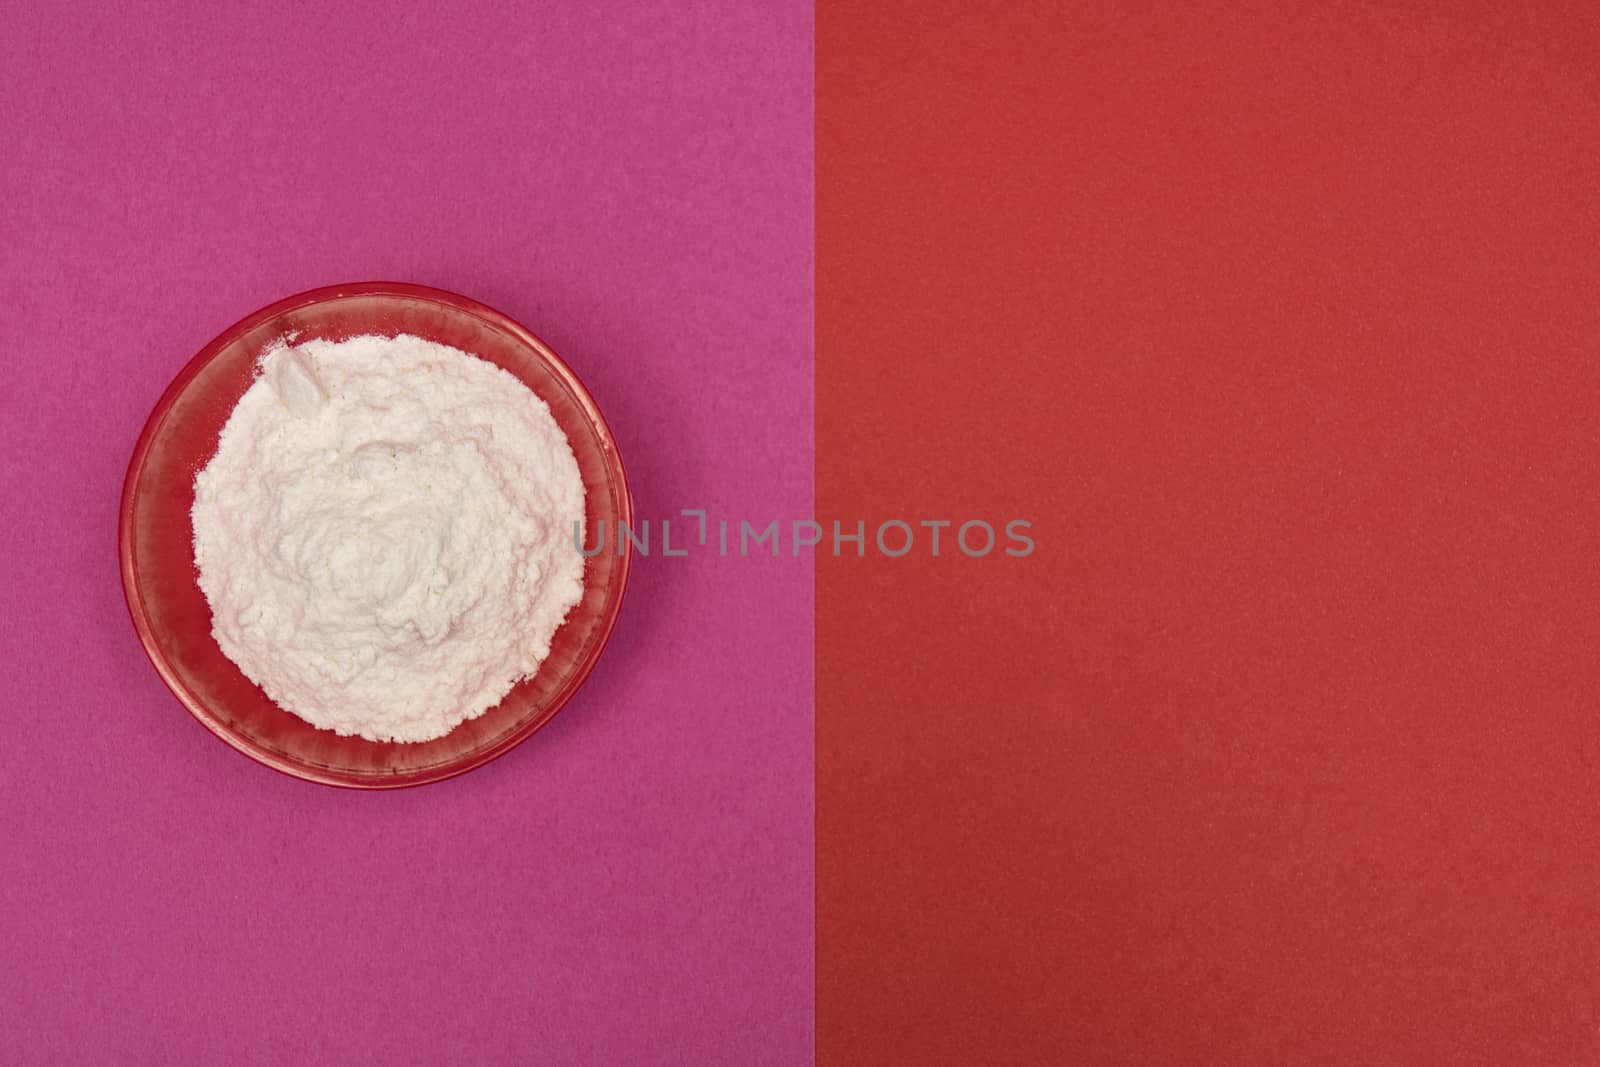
(156,537)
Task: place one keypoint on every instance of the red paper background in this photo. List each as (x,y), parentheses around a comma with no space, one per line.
(1282,326)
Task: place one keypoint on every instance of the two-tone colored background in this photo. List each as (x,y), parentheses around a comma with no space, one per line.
(1282,326)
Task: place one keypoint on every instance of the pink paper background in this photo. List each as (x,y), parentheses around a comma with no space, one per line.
(633,885)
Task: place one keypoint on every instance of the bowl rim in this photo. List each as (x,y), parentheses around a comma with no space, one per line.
(133,595)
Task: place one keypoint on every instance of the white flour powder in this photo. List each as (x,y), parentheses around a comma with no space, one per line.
(384,534)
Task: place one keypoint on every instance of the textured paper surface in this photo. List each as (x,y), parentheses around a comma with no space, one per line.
(634,884)
(1282,323)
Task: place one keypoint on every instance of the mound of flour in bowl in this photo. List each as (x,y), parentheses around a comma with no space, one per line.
(385,534)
